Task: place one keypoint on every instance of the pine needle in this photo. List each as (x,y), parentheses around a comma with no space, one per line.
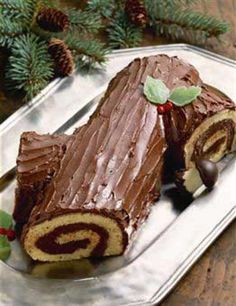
(88,53)
(34,69)
(9,30)
(104,7)
(18,10)
(191,26)
(84,21)
(183,24)
(175,3)
(122,34)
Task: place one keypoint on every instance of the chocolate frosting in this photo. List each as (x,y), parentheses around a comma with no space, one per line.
(38,161)
(114,161)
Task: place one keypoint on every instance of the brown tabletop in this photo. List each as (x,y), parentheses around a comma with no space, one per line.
(212,280)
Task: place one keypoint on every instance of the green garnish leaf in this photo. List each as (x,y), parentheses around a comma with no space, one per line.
(5,248)
(5,219)
(156,91)
(181,96)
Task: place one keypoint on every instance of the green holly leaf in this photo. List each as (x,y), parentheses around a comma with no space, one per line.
(5,248)
(156,91)
(5,219)
(181,96)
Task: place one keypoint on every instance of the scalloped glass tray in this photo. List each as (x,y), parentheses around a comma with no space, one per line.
(174,236)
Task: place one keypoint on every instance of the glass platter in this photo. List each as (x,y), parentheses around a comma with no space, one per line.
(174,236)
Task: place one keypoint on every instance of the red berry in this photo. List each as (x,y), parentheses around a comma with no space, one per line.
(168,106)
(160,109)
(11,235)
(3,231)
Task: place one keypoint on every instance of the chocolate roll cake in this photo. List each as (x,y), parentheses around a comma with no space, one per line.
(92,190)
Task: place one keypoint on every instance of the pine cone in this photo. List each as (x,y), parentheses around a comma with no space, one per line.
(52,20)
(61,54)
(136,12)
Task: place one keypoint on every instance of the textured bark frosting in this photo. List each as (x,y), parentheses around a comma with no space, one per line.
(109,172)
(114,159)
(38,161)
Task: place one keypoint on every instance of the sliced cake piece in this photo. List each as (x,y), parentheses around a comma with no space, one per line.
(111,173)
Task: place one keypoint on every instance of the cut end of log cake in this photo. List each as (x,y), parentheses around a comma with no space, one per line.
(86,194)
(202,130)
(75,235)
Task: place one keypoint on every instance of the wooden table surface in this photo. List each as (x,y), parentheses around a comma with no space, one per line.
(212,280)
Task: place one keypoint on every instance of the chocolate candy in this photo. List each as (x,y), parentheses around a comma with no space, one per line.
(208,171)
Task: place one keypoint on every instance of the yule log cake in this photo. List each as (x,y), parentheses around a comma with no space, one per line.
(85,194)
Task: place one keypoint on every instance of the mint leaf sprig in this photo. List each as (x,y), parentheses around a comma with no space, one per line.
(183,95)
(158,93)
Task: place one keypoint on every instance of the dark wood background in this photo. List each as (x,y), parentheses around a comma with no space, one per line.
(212,280)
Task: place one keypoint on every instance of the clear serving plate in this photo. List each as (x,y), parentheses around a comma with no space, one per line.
(174,236)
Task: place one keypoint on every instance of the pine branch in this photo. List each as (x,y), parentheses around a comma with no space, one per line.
(9,30)
(155,6)
(122,34)
(183,24)
(84,21)
(16,18)
(34,69)
(191,26)
(104,7)
(20,10)
(88,53)
(47,3)
(175,3)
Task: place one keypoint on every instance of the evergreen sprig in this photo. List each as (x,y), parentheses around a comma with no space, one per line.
(176,2)
(104,7)
(84,21)
(9,30)
(123,34)
(190,26)
(34,69)
(87,53)
(20,10)
(183,24)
